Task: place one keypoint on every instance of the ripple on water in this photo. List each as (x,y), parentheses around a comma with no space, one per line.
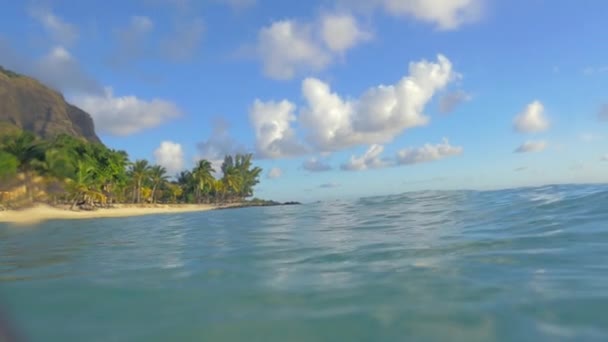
(518,264)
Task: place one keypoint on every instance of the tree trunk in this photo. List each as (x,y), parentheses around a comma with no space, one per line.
(154,192)
(139,191)
(74,201)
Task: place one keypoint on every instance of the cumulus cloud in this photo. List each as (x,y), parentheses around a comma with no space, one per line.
(446,14)
(428,153)
(170,155)
(341,32)
(334,123)
(532,119)
(219,144)
(369,160)
(185,41)
(126,115)
(131,40)
(379,115)
(274,173)
(589,71)
(60,70)
(602,114)
(288,47)
(532,146)
(450,101)
(372,158)
(62,32)
(272,124)
(316,165)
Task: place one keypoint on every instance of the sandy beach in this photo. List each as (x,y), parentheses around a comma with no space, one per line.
(42,213)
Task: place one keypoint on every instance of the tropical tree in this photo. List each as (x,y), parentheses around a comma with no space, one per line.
(175,190)
(203,177)
(139,172)
(8,165)
(82,185)
(158,176)
(29,154)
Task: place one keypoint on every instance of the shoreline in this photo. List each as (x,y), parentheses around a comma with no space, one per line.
(43,212)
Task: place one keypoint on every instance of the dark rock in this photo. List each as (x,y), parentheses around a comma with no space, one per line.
(26,104)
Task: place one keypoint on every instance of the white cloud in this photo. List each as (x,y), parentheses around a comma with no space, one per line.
(329,185)
(286,47)
(127,114)
(274,173)
(369,160)
(60,70)
(341,32)
(185,41)
(409,156)
(602,114)
(62,33)
(532,119)
(451,100)
(316,165)
(532,146)
(590,137)
(274,136)
(170,155)
(219,144)
(379,115)
(289,47)
(589,71)
(446,14)
(333,123)
(141,24)
(428,153)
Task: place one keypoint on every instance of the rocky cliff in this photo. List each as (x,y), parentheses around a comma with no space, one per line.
(26,104)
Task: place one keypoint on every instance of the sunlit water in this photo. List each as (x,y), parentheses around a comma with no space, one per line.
(513,265)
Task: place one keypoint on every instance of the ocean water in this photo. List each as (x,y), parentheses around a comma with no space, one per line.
(514,265)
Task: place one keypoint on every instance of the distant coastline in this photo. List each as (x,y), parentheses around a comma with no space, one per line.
(44,212)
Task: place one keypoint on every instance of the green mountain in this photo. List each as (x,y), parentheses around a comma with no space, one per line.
(26,104)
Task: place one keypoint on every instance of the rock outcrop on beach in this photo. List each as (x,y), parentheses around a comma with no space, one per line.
(28,105)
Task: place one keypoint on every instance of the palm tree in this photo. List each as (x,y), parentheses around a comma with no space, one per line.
(203,176)
(219,190)
(175,191)
(158,176)
(115,164)
(232,182)
(249,176)
(139,172)
(82,185)
(186,181)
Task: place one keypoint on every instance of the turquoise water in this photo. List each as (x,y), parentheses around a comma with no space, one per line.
(514,265)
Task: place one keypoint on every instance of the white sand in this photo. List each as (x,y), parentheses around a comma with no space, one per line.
(44,212)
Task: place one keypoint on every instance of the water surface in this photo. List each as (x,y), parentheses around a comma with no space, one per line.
(511,265)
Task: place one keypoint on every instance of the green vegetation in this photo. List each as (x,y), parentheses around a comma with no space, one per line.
(72,171)
(8,72)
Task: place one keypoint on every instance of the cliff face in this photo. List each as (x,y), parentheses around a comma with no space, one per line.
(29,105)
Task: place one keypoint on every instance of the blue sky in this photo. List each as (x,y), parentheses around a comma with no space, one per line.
(336,98)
